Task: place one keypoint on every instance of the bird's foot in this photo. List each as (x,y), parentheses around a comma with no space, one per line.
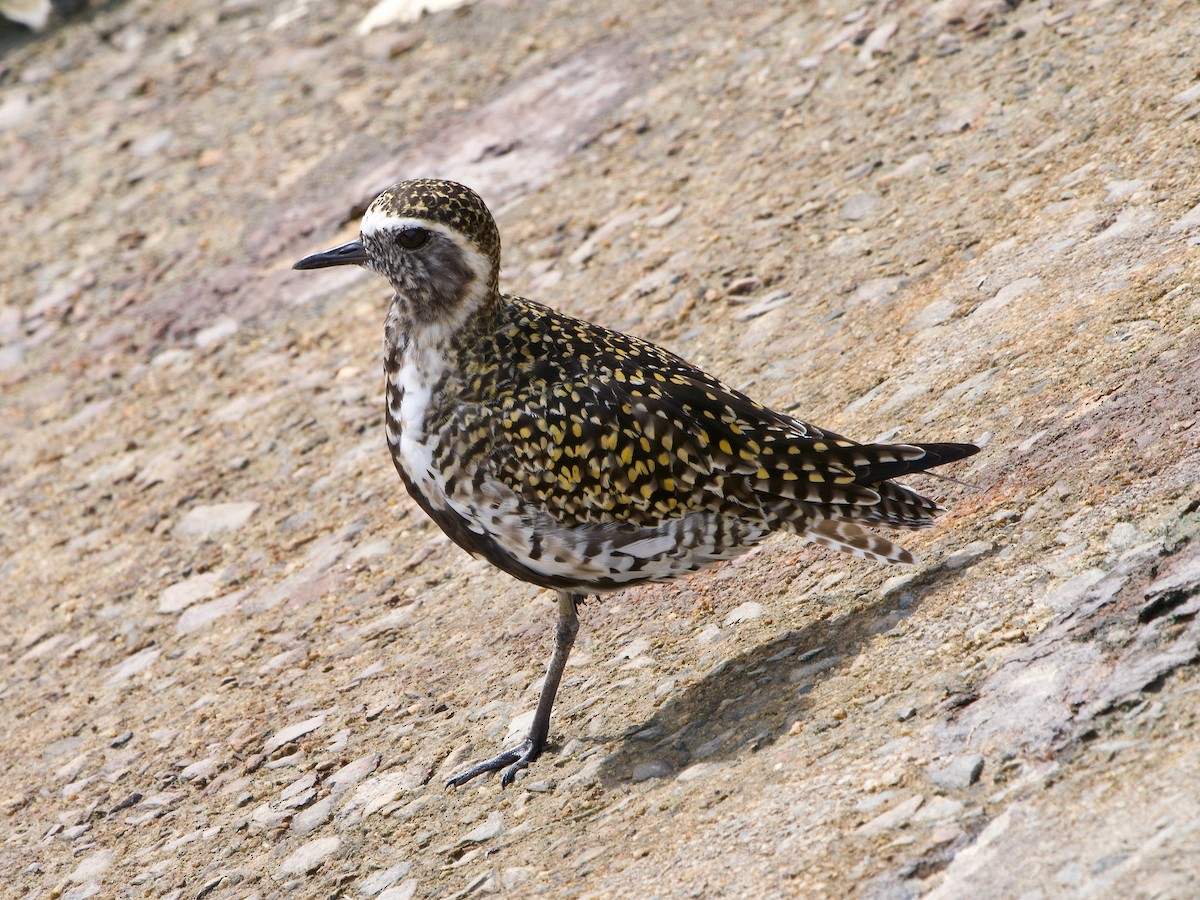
(511,761)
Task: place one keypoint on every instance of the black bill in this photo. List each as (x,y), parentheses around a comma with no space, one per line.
(351,254)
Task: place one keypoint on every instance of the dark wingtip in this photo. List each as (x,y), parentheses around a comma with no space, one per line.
(935,454)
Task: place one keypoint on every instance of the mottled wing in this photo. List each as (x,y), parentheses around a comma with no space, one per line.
(654,438)
(589,453)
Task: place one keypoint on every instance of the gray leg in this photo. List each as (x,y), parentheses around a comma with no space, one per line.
(516,759)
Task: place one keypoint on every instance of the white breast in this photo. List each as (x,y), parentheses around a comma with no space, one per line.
(413,446)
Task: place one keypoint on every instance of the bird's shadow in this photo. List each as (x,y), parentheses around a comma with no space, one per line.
(749,701)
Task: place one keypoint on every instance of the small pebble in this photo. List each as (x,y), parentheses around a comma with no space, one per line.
(1011,292)
(387,13)
(139,662)
(771,301)
(874,291)
(403,891)
(859,207)
(384,879)
(218,518)
(1123,536)
(957,773)
(1190,220)
(92,866)
(204,614)
(203,770)
(749,610)
(299,786)
(694,771)
(292,733)
(939,809)
(665,218)
(515,876)
(216,333)
(308,857)
(934,314)
(183,594)
(898,815)
(963,557)
(1069,594)
(657,768)
(485,832)
(743,286)
(309,820)
(897,584)
(378,792)
(352,773)
(149,144)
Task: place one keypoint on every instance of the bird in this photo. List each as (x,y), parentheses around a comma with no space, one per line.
(581,459)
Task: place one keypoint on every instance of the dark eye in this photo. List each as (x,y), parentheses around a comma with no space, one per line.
(412,238)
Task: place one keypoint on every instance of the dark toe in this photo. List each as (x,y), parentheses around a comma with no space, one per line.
(511,761)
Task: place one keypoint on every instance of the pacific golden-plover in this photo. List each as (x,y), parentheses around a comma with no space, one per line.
(582,459)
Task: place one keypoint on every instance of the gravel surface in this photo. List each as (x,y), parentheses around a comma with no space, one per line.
(239,662)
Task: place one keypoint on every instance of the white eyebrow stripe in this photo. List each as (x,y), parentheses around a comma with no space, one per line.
(375,221)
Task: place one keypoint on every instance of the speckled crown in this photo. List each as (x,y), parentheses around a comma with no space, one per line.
(445,202)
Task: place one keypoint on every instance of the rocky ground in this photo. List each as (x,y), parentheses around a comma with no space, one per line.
(238,661)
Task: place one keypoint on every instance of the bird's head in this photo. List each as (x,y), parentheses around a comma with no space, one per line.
(435,241)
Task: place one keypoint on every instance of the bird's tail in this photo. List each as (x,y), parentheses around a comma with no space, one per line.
(839,526)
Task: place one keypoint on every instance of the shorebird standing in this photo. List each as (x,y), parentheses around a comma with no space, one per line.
(582,459)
